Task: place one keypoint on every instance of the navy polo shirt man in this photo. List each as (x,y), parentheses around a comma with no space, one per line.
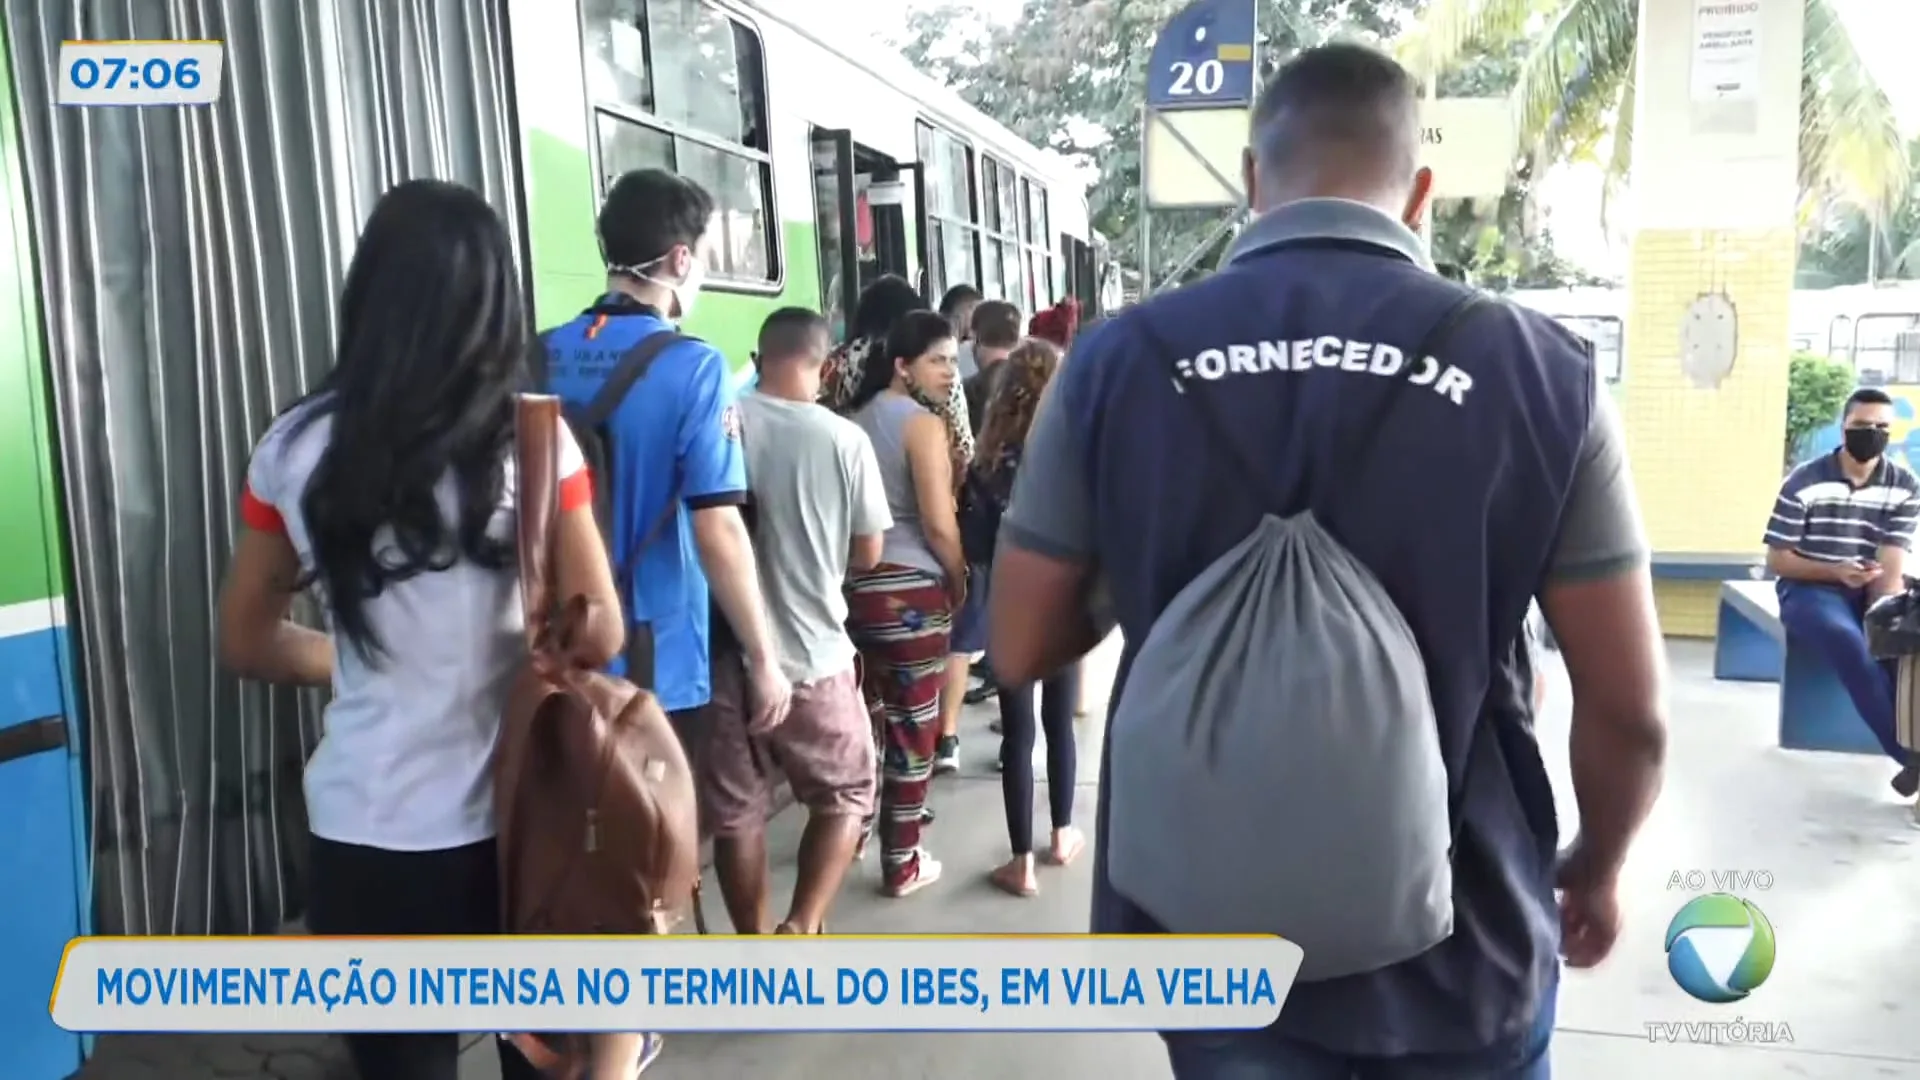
(675,449)
(1501,477)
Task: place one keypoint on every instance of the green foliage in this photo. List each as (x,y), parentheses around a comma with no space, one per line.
(1839,248)
(1575,90)
(1816,389)
(1069,75)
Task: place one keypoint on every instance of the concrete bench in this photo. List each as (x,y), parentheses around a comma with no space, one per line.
(1751,645)
(1692,566)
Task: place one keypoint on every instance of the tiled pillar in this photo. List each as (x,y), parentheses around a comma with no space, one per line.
(1713,201)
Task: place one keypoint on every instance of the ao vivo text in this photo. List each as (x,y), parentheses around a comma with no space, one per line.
(1726,881)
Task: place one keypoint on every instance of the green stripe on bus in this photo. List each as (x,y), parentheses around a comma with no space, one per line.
(32,566)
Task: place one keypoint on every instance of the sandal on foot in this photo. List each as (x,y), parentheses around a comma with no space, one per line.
(1064,856)
(924,875)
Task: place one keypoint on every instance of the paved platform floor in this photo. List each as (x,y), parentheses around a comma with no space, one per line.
(1838,844)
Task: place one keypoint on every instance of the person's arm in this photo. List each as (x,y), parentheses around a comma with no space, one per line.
(581,566)
(930,456)
(1785,530)
(257,639)
(1598,601)
(1787,563)
(1044,592)
(713,484)
(1895,541)
(868,496)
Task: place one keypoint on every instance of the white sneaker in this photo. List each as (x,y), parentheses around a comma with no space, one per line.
(946,758)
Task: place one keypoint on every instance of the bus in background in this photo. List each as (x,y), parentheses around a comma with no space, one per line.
(1596,314)
(1873,328)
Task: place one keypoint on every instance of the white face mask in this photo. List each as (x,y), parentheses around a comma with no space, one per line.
(685,292)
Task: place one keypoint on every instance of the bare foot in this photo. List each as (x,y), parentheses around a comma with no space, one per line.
(1068,843)
(1016,877)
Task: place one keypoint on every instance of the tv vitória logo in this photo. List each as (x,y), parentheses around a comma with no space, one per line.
(1719,948)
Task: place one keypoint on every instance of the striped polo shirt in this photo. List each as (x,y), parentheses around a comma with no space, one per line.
(1822,515)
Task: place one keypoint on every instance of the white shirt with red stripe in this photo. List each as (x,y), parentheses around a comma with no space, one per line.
(405,753)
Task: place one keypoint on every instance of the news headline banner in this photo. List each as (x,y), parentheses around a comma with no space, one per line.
(774,983)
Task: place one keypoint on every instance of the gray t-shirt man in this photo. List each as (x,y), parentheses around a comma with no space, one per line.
(815,487)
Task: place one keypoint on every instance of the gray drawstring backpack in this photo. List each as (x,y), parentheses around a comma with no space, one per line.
(1275,761)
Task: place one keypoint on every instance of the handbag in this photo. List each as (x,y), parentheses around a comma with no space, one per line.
(593,797)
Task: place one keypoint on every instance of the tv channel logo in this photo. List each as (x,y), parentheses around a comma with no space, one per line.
(1720,948)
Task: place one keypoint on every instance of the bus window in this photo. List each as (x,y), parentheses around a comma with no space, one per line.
(1886,349)
(997,216)
(1603,333)
(1840,339)
(1042,263)
(681,85)
(950,210)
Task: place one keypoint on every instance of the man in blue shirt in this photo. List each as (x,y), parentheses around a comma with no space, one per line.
(675,451)
(1838,539)
(1502,476)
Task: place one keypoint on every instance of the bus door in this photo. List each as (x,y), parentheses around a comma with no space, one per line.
(859,218)
(1082,278)
(836,226)
(922,231)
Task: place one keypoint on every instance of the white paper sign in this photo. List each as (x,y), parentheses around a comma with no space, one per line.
(1726,51)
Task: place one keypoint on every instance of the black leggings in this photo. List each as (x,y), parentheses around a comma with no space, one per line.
(359,890)
(1058,697)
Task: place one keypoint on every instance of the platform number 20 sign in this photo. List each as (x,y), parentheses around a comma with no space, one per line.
(1205,78)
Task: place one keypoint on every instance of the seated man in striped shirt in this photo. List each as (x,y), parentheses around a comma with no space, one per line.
(1838,540)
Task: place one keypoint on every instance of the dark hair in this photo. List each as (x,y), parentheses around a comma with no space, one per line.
(882,304)
(912,335)
(996,324)
(789,331)
(647,213)
(1340,99)
(432,333)
(1866,395)
(956,297)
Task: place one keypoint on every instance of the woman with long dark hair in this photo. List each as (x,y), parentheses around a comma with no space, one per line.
(900,612)
(390,491)
(1024,376)
(882,305)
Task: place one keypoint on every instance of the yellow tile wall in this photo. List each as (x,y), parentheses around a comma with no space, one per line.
(1707,461)
(1689,609)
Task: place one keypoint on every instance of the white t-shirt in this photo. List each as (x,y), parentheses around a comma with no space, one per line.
(405,755)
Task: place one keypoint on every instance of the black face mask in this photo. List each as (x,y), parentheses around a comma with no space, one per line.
(1865,444)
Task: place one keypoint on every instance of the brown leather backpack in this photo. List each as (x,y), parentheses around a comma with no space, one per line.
(593,797)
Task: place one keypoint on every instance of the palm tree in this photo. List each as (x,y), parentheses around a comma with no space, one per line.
(1576,88)
(1843,246)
